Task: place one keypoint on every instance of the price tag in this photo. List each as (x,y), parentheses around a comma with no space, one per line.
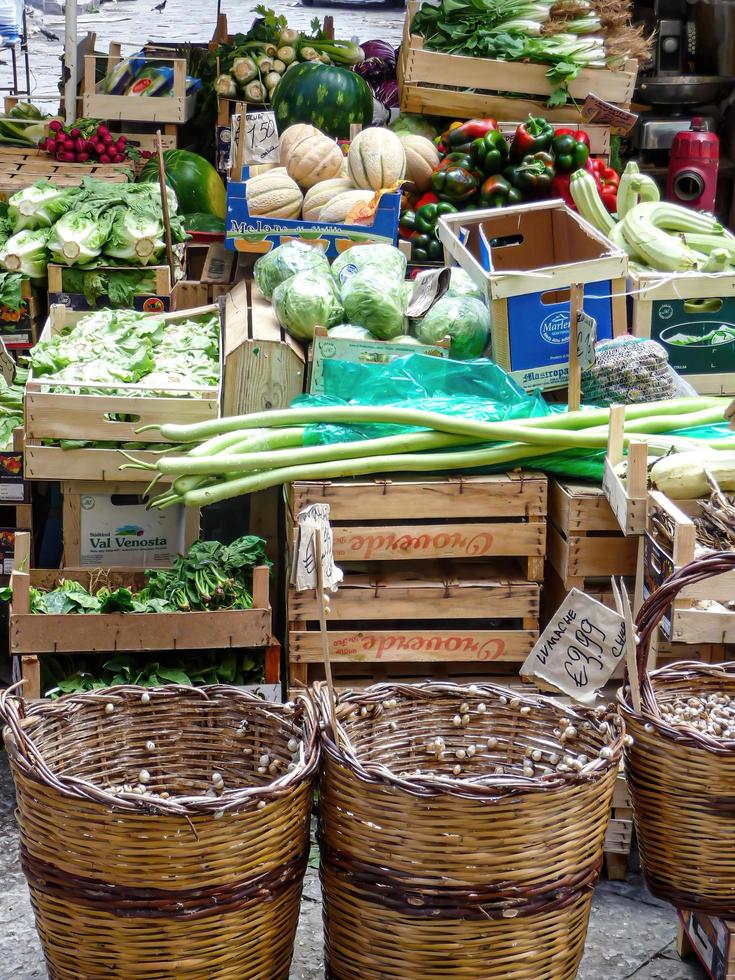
(303,572)
(261,137)
(579,650)
(596,110)
(7,364)
(428,286)
(586,337)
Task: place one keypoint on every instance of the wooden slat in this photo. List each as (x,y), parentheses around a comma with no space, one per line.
(714,625)
(422,645)
(52,463)
(437,498)
(602,556)
(398,594)
(580,507)
(132,631)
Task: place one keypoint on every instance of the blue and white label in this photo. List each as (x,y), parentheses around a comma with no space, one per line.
(554,328)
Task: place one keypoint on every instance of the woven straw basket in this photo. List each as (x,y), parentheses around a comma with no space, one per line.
(200,884)
(486,874)
(682,780)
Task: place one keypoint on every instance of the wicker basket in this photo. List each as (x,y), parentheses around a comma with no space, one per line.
(682,780)
(202,883)
(488,874)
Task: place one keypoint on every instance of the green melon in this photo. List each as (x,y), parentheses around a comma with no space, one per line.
(326,96)
(198,186)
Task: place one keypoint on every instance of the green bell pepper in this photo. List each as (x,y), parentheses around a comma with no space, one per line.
(532,136)
(455,184)
(428,215)
(455,160)
(462,137)
(569,153)
(490,153)
(426,248)
(407,224)
(534,174)
(497,192)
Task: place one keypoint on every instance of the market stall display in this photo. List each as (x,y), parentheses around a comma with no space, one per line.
(234,884)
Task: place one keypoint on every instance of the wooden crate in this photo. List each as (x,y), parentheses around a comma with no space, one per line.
(20,168)
(145,303)
(51,416)
(628,495)
(32,635)
(619,834)
(425,594)
(710,939)
(176,107)
(462,88)
(698,614)
(584,539)
(554,592)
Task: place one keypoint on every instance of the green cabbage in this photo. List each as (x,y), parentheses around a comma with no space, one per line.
(376,302)
(26,253)
(377,258)
(79,237)
(275,267)
(465,319)
(461,285)
(40,205)
(305,301)
(351,332)
(136,234)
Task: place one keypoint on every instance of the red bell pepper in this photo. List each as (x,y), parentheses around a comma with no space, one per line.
(532,136)
(560,188)
(461,138)
(607,180)
(579,135)
(427,198)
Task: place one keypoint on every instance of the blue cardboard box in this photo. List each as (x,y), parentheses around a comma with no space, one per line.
(260,234)
(525,259)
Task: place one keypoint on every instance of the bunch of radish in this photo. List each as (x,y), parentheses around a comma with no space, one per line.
(85,140)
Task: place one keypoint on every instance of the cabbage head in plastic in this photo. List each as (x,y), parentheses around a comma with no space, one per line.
(305,301)
(376,302)
(277,266)
(464,319)
(376,257)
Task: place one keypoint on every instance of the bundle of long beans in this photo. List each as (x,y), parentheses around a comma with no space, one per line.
(233,456)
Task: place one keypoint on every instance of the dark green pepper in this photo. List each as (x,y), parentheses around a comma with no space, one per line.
(455,184)
(426,248)
(531,136)
(455,160)
(497,192)
(490,153)
(407,224)
(428,215)
(569,153)
(534,174)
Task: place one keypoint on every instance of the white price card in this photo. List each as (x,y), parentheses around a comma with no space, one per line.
(7,364)
(303,572)
(261,137)
(586,338)
(579,650)
(428,287)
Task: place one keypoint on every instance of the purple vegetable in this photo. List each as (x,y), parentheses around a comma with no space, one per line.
(387,93)
(376,70)
(379,49)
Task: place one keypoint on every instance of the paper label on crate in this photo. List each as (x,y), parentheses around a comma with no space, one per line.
(586,337)
(428,287)
(261,137)
(579,650)
(303,573)
(118,530)
(596,110)
(7,364)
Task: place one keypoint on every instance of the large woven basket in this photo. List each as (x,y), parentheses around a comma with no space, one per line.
(682,780)
(156,840)
(485,874)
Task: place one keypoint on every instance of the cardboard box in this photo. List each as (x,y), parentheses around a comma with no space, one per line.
(713,941)
(692,304)
(106,525)
(525,259)
(259,234)
(19,329)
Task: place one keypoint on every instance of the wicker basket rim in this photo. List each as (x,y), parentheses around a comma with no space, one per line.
(486,787)
(21,719)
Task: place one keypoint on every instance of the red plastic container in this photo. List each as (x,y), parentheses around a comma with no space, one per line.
(695,157)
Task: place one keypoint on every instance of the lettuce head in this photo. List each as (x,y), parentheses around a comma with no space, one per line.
(275,267)
(464,319)
(307,300)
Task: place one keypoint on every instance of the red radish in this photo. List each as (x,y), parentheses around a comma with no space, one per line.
(88,146)
(82,157)
(75,133)
(122,139)
(104,158)
(55,126)
(79,145)
(99,148)
(107,139)
(103,130)
(66,157)
(50,145)
(146,154)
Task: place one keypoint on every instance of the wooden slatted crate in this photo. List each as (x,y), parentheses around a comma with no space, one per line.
(32,634)
(460,87)
(422,588)
(619,835)
(585,541)
(20,168)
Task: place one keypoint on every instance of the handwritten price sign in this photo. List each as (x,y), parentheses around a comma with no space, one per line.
(579,650)
(261,137)
(303,574)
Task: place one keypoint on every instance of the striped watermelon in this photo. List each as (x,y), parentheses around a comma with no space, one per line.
(326,96)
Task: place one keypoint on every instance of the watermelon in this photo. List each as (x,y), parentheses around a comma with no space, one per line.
(208,223)
(326,96)
(198,186)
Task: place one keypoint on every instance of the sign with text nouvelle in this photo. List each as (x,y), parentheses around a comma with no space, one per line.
(579,650)
(303,573)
